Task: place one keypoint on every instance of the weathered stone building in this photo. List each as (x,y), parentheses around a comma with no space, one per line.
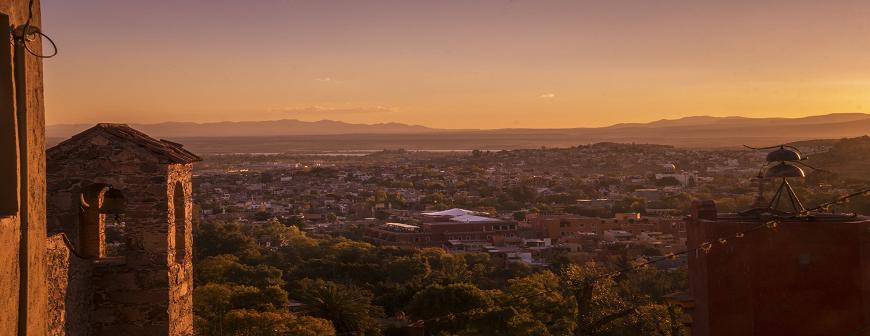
(147,288)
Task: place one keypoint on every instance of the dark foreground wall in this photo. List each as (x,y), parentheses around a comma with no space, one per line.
(22,214)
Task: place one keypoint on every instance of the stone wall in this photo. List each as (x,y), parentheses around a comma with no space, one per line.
(70,297)
(147,290)
(151,292)
(180,260)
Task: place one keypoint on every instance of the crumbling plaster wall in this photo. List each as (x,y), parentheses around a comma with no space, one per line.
(33,304)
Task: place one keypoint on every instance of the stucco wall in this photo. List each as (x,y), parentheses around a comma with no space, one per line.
(33,303)
(9,236)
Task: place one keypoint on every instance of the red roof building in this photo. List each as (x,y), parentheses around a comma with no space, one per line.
(808,274)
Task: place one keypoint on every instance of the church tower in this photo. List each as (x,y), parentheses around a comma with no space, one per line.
(144,284)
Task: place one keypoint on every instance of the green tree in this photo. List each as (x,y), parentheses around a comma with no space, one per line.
(541,296)
(227,269)
(349,308)
(450,308)
(246,322)
(447,268)
(214,238)
(210,303)
(407,270)
(581,300)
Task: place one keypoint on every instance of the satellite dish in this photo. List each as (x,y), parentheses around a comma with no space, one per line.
(784,170)
(784,154)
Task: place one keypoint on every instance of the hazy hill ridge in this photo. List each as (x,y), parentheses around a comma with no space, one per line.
(295,135)
(695,124)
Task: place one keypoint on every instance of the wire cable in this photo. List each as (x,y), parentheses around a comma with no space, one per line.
(53,45)
(863,192)
(28,30)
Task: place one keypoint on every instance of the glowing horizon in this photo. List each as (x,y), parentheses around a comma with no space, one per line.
(453,64)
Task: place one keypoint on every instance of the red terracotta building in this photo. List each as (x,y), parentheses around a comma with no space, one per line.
(481,230)
(398,234)
(565,225)
(810,275)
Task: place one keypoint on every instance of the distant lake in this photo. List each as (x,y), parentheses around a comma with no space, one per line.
(364,152)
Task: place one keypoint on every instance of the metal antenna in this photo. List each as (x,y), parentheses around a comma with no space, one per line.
(782,163)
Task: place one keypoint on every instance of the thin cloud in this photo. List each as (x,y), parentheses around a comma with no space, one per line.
(547,96)
(329,80)
(321,110)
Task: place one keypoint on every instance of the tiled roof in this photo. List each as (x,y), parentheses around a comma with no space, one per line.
(167,150)
(449,213)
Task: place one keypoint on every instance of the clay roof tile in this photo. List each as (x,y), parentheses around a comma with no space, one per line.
(166,150)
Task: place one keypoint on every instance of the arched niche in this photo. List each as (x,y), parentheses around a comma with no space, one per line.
(92,223)
(95,201)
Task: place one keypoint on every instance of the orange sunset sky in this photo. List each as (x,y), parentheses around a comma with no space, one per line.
(454,64)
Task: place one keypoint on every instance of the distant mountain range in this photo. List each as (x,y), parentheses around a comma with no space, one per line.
(249,128)
(292,135)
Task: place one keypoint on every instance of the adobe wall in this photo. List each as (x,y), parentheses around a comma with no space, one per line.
(70,297)
(33,303)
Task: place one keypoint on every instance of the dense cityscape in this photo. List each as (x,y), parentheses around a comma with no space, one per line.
(501,219)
